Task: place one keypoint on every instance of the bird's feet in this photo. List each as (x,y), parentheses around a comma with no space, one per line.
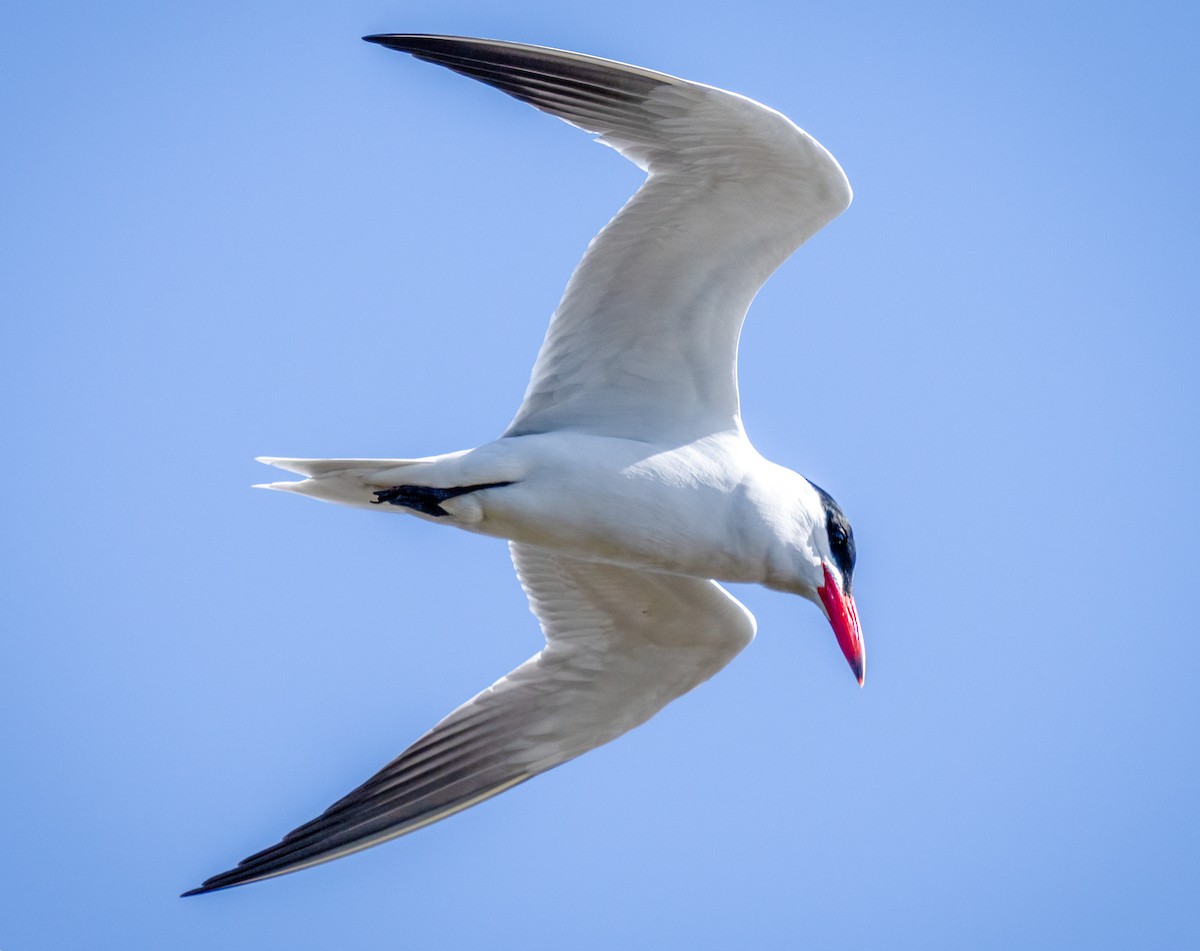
(427,499)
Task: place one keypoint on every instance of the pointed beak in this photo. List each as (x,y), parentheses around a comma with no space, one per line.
(843,617)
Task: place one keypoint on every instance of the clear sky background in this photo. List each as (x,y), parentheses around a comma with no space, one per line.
(233,229)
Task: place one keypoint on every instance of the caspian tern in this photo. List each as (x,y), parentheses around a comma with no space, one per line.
(625,485)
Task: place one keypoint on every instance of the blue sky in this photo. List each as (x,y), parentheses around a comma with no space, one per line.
(234,229)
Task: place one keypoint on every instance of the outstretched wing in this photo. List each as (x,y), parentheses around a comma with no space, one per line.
(644,342)
(620,645)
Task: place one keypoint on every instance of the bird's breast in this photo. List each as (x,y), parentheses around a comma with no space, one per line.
(682,509)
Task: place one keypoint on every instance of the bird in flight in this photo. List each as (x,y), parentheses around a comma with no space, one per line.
(625,485)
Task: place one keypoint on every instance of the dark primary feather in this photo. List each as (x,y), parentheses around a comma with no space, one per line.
(598,95)
(548,79)
(460,762)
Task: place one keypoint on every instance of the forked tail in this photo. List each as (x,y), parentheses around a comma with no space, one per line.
(345,481)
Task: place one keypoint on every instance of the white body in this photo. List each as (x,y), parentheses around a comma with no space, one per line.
(712,508)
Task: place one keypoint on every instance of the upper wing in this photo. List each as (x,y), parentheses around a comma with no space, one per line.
(620,645)
(644,342)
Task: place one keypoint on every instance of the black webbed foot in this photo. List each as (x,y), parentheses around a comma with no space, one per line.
(427,499)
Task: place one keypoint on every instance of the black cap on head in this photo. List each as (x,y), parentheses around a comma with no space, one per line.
(841,536)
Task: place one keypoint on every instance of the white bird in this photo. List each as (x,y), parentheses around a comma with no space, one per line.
(625,485)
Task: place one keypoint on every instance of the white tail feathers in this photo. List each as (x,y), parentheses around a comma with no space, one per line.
(319,467)
(353,482)
(345,481)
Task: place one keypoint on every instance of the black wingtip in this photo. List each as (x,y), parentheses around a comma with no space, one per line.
(399,41)
(215,884)
(416,43)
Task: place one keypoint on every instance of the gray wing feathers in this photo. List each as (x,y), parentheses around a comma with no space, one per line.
(621,644)
(597,95)
(643,344)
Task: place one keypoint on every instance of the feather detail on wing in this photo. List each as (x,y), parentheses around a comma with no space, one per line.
(620,645)
(643,344)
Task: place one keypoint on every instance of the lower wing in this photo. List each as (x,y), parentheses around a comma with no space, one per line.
(620,645)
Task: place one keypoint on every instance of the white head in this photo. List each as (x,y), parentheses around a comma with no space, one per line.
(824,574)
